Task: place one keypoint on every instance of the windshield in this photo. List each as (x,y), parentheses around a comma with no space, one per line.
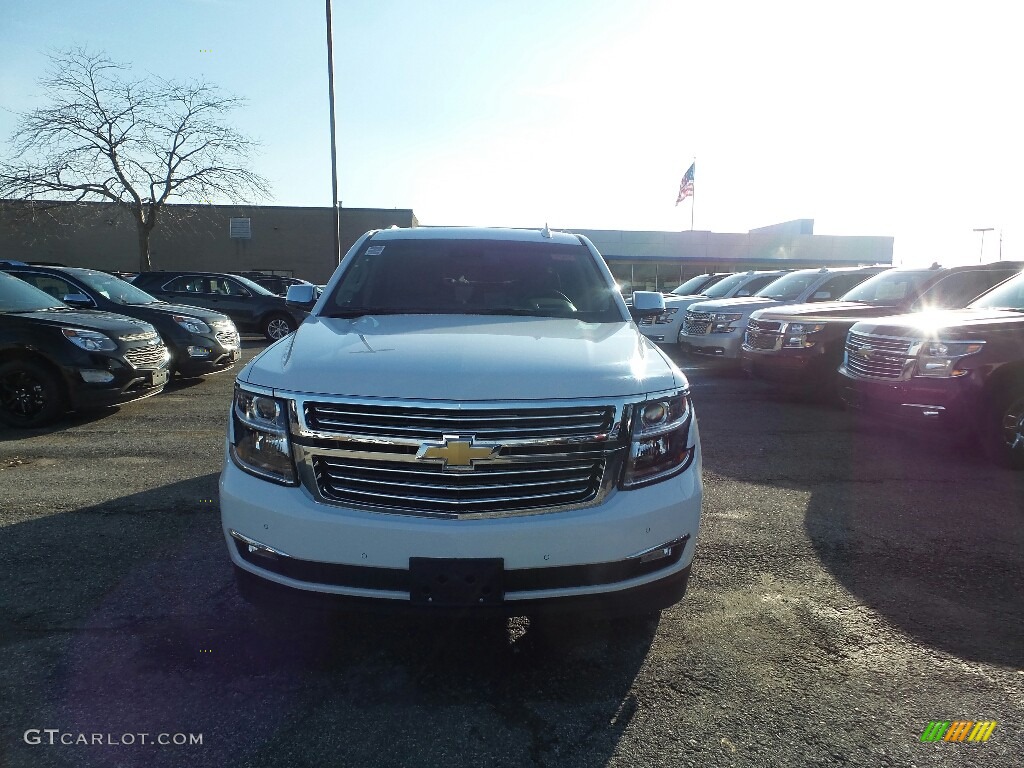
(724,287)
(113,288)
(890,287)
(475,277)
(18,296)
(254,287)
(691,286)
(789,287)
(1008,295)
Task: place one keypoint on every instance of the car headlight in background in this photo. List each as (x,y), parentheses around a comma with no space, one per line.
(666,317)
(660,440)
(938,359)
(92,341)
(723,322)
(797,334)
(260,444)
(192,324)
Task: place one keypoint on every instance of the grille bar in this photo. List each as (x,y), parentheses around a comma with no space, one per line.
(428,423)
(428,489)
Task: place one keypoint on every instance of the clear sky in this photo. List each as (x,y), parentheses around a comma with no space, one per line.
(872,118)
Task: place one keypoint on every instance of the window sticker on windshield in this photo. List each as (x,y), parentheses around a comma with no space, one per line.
(375,250)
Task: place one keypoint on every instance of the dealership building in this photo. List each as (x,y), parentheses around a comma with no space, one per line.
(299,242)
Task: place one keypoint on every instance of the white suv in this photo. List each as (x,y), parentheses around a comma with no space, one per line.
(468,420)
(715,328)
(665,328)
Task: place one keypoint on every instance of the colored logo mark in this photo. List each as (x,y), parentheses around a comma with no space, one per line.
(958,730)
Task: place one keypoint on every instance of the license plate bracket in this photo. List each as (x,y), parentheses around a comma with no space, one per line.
(157,378)
(456,582)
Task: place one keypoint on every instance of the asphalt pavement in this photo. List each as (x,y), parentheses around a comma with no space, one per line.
(853,583)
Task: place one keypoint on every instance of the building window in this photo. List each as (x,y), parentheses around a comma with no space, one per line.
(240,229)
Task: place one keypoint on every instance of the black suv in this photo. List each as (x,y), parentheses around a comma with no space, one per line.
(54,358)
(802,344)
(962,369)
(251,306)
(200,341)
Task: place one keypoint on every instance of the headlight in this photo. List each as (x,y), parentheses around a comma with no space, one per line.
(191,324)
(260,444)
(938,359)
(92,341)
(666,316)
(721,322)
(797,333)
(659,448)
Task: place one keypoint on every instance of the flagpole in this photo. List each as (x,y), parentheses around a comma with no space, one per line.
(693,202)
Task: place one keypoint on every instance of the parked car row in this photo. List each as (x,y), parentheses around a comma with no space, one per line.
(941,346)
(75,338)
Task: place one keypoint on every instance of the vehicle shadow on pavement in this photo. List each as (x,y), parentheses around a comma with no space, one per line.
(124,618)
(923,532)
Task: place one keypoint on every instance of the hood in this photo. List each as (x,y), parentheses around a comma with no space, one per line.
(740,304)
(90,320)
(206,315)
(826,310)
(683,301)
(455,357)
(945,323)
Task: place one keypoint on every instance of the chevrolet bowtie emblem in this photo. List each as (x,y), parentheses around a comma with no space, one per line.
(457,452)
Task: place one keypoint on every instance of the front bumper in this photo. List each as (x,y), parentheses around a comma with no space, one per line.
(945,403)
(785,366)
(127,383)
(218,352)
(630,554)
(721,345)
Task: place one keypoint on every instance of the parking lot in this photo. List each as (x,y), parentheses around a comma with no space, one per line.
(852,584)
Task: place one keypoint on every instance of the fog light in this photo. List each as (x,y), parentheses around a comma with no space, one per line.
(97,377)
(198,351)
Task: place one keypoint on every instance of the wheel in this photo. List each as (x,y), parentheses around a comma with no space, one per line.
(30,396)
(1005,438)
(278,326)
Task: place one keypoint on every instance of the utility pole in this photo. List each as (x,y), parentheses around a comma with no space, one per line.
(983,230)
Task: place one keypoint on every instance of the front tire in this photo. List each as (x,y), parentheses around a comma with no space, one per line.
(30,395)
(1005,435)
(277,326)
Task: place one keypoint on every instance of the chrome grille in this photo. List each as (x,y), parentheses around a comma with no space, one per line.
(876,357)
(763,325)
(147,357)
(227,339)
(757,340)
(142,336)
(427,489)
(432,423)
(697,323)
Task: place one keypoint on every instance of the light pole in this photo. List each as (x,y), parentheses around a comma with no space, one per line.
(334,151)
(983,230)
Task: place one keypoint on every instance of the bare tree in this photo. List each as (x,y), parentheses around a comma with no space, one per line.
(136,142)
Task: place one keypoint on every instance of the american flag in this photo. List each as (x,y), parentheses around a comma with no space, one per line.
(686,185)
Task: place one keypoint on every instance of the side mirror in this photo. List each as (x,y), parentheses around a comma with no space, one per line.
(301,297)
(821,296)
(79,300)
(646,304)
